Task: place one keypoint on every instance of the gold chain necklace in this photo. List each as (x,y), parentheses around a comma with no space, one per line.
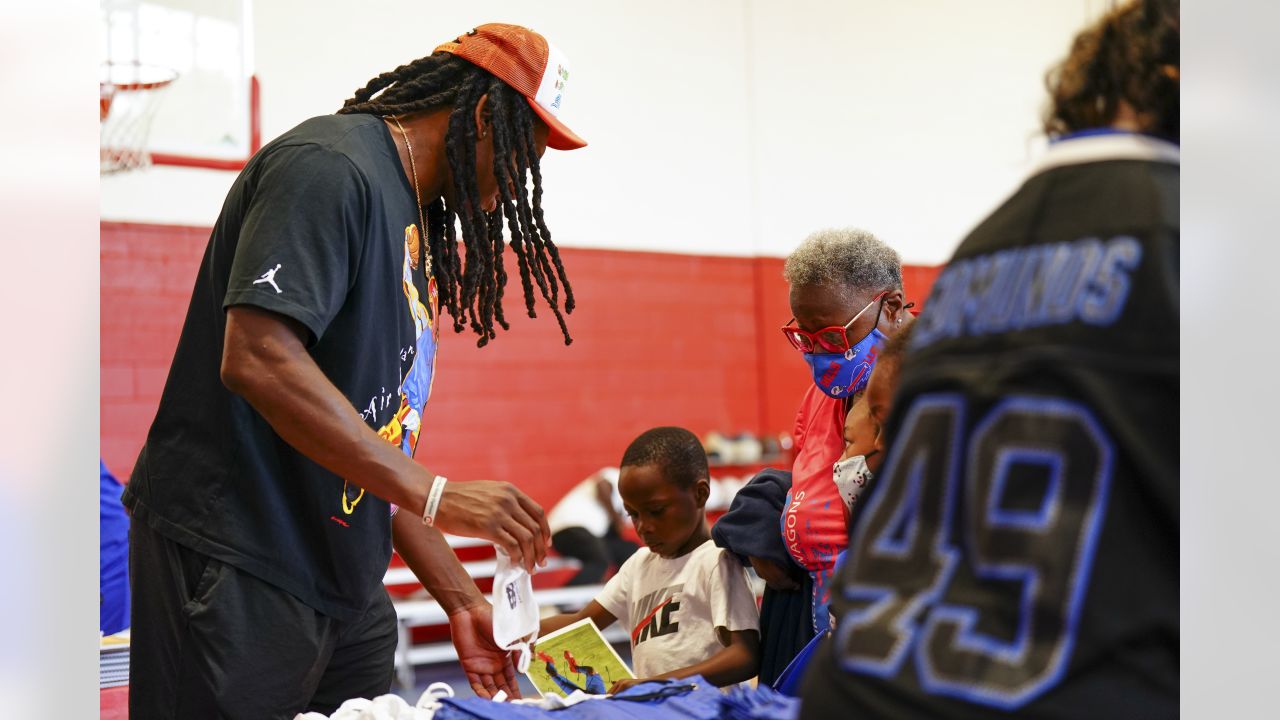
(349,505)
(417,193)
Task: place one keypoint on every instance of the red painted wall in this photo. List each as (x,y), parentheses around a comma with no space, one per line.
(658,340)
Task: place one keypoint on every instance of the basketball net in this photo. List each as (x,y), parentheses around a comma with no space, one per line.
(130,95)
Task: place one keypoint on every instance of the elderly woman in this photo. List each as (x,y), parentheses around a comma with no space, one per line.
(846,299)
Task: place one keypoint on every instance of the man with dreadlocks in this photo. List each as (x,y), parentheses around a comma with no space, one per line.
(1018,555)
(264,501)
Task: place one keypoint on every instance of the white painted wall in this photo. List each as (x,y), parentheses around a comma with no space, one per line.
(730,127)
(910,118)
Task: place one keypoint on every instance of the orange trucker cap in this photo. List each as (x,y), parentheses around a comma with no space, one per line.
(527,62)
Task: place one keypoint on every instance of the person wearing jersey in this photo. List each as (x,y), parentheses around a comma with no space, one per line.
(846,298)
(1019,552)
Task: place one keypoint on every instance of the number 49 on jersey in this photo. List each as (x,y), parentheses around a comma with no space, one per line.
(974,555)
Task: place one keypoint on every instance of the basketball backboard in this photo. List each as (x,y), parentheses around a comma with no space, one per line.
(208,116)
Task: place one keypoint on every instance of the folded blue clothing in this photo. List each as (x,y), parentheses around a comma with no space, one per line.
(474,707)
(758,703)
(686,699)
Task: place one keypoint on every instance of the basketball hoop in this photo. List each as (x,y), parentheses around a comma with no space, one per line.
(130,95)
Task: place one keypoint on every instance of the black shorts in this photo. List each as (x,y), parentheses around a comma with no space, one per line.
(211,641)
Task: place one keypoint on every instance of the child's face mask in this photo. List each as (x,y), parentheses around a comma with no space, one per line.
(852,477)
(515,613)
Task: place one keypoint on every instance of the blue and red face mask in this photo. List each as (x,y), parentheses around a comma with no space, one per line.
(842,375)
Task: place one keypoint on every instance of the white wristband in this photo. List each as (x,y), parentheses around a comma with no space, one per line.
(433,500)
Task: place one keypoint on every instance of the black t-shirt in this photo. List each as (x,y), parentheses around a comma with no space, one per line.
(321,226)
(1019,553)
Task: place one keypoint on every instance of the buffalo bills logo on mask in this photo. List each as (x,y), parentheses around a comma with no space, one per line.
(841,375)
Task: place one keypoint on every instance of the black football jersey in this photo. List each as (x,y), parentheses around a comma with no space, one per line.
(1019,552)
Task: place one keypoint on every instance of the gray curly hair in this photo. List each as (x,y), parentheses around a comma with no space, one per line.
(848,256)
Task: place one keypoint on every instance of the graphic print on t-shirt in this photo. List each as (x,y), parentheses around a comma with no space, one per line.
(657,610)
(403,427)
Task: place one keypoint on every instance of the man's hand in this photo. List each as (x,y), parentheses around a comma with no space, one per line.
(488,667)
(497,512)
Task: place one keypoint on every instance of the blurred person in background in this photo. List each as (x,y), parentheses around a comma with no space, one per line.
(1018,553)
(586,525)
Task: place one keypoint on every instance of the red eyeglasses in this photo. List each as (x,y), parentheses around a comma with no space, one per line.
(831,339)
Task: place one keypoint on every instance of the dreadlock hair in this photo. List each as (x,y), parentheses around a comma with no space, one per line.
(471,288)
(1131,54)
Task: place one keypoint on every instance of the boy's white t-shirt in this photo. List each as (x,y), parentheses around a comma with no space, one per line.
(671,608)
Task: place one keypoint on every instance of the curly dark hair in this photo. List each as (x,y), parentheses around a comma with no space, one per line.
(1130,55)
(473,290)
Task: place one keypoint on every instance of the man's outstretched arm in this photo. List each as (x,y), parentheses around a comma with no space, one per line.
(427,553)
(265,361)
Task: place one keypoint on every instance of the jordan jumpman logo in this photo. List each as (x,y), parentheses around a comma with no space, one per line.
(270,277)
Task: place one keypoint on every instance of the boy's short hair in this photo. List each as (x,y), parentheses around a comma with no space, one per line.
(675,451)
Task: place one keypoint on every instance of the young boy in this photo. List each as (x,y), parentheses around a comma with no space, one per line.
(684,602)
